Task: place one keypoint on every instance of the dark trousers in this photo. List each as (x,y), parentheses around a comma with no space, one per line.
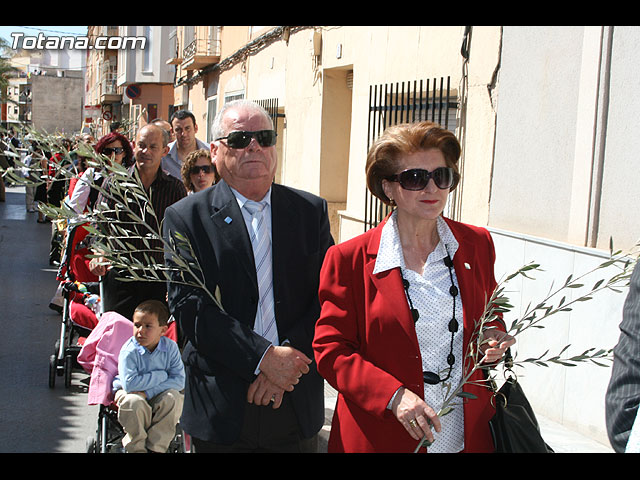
(265,430)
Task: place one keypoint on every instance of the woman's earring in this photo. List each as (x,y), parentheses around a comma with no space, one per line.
(392,202)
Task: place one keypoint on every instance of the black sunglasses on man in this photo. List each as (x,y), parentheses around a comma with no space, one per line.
(242,139)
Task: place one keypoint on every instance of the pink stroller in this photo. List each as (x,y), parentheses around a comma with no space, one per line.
(99,358)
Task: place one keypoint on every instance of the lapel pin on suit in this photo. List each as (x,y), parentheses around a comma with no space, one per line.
(467,266)
(228,220)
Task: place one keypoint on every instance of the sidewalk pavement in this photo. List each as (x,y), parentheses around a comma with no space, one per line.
(565,440)
(557,436)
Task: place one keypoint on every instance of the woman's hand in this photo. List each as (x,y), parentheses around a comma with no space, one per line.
(494,344)
(415,415)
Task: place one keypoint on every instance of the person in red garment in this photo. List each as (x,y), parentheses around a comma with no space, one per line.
(83,194)
(399,304)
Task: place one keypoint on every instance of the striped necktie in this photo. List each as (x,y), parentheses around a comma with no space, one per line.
(261,243)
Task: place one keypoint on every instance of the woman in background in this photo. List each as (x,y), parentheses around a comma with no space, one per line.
(198,171)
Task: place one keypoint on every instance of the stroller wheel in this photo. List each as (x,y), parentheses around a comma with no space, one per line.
(68,368)
(91,445)
(52,371)
(54,360)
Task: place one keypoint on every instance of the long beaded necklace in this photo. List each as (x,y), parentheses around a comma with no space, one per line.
(433,378)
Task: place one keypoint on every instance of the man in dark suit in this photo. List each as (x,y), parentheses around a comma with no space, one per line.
(623,393)
(250,387)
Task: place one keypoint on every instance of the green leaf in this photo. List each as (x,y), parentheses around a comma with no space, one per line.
(607,263)
(468,395)
(445,411)
(426,443)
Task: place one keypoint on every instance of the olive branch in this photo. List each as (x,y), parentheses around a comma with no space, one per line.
(124,228)
(498,304)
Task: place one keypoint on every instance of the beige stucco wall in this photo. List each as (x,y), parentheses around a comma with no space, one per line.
(323,141)
(383,54)
(57,103)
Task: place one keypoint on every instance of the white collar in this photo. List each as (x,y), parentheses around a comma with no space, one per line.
(390,253)
(242,199)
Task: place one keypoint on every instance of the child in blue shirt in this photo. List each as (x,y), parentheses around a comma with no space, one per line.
(149,382)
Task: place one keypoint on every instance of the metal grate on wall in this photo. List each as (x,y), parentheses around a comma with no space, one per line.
(271,106)
(406,102)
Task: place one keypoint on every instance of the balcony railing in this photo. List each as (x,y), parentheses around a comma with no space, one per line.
(200,53)
(109,85)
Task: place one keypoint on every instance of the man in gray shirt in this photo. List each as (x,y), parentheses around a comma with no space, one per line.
(184,126)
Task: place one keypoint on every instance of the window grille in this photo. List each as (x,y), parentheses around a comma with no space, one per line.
(406,102)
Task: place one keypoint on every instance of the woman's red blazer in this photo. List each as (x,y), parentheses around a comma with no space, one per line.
(366,347)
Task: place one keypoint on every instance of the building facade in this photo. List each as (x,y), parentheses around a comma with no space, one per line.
(317,81)
(563,187)
(46,92)
(129,84)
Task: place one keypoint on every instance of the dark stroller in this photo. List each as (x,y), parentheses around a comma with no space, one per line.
(99,358)
(72,334)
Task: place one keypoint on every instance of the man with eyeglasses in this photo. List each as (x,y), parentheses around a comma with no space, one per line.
(184,128)
(251,382)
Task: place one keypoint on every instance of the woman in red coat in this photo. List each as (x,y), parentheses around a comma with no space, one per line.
(400,304)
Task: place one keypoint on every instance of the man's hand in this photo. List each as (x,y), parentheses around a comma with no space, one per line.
(262,391)
(97,267)
(283,366)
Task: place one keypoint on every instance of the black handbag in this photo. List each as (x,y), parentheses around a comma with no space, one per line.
(514,426)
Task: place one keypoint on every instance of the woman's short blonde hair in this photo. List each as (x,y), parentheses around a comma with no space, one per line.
(190,161)
(405,139)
